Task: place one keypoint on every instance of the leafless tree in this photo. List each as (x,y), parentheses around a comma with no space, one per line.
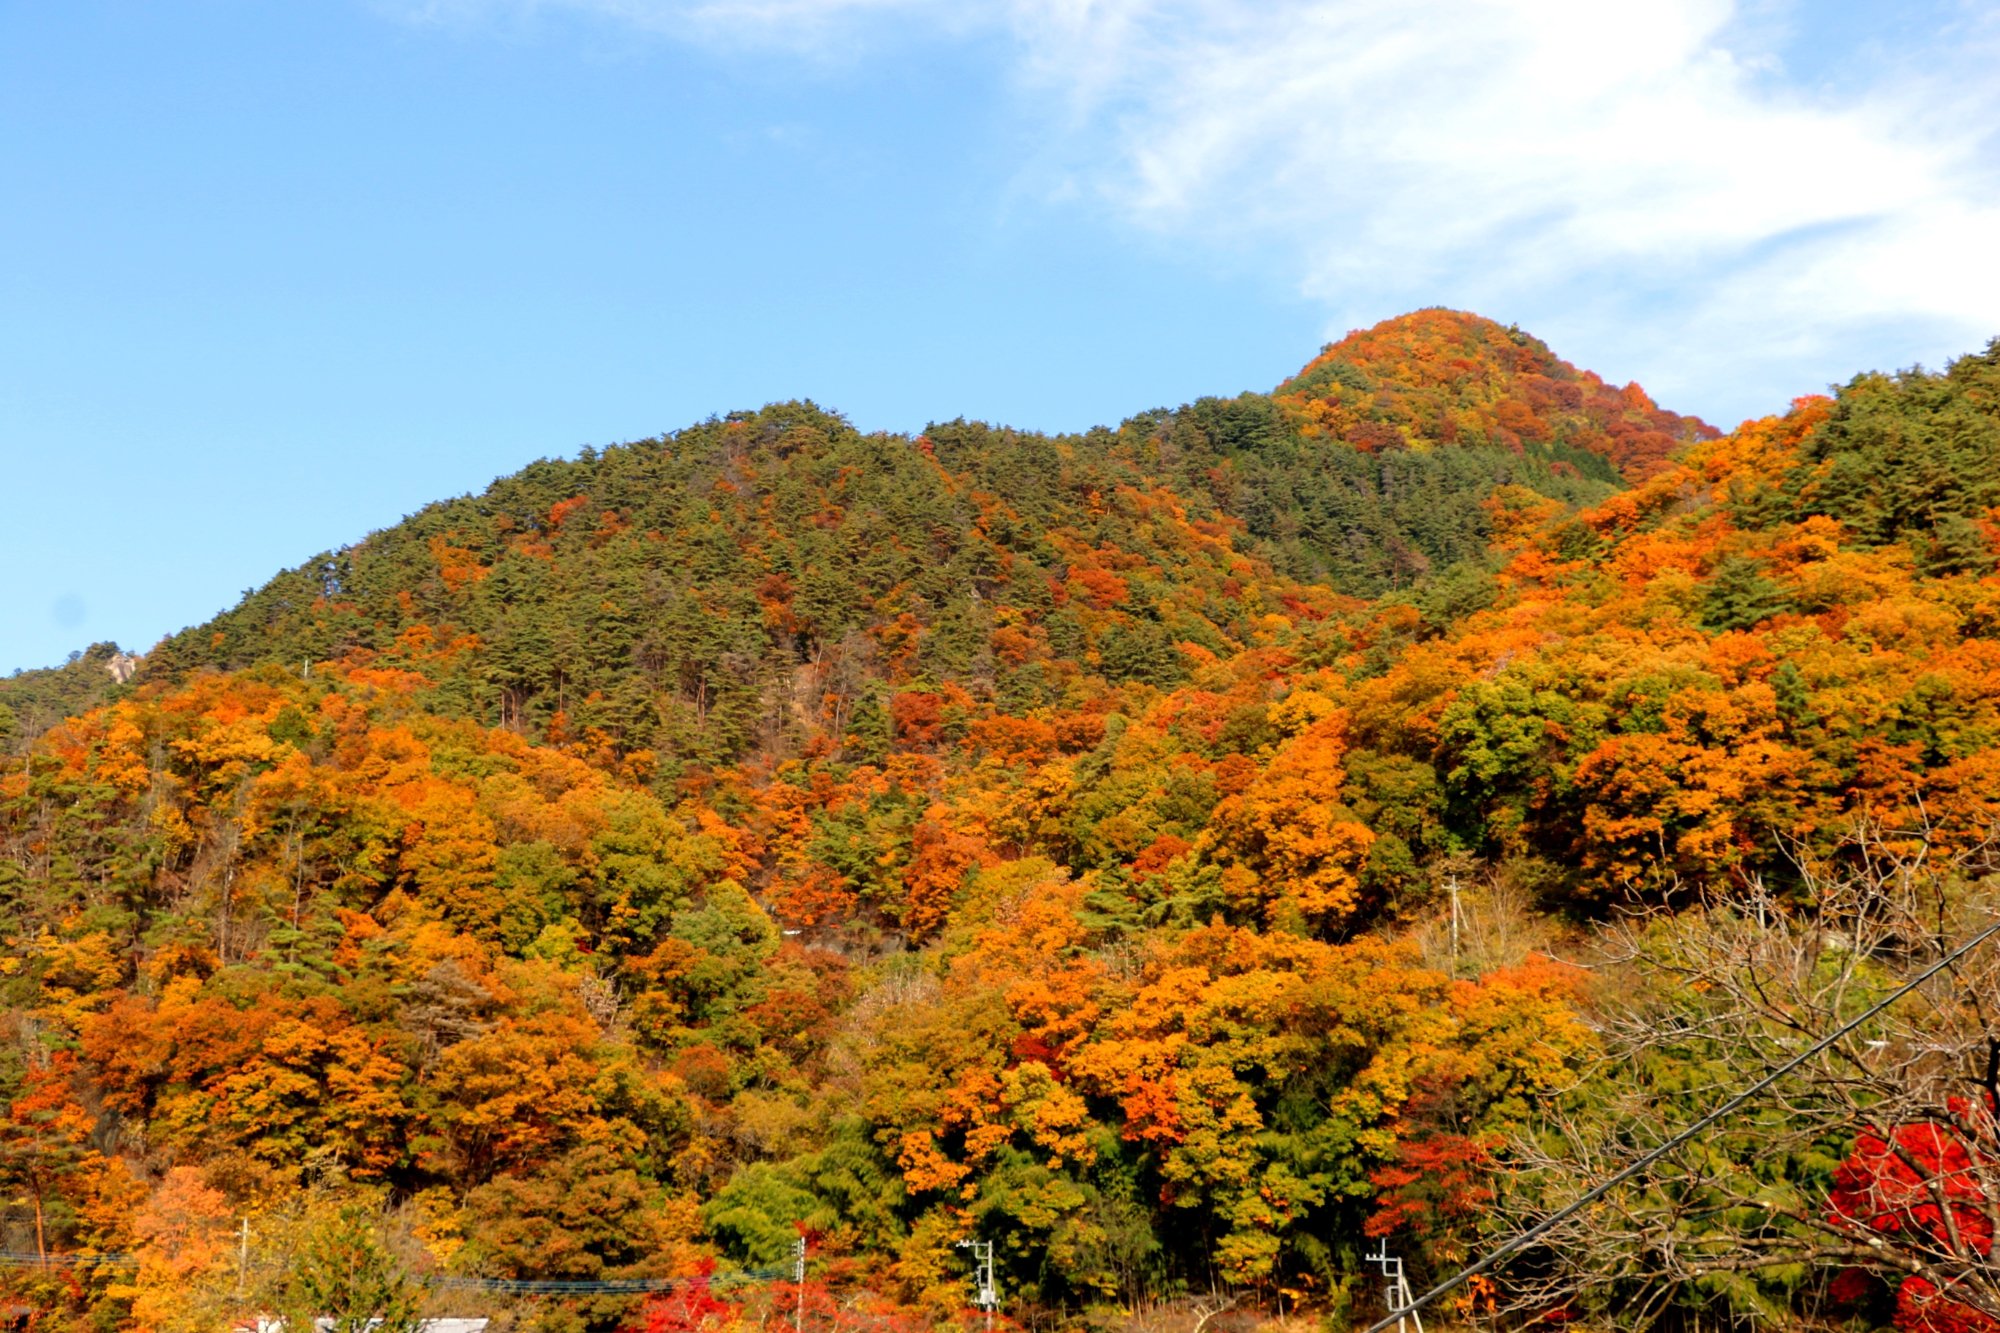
(1753,1216)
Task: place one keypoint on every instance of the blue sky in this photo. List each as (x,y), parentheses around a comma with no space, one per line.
(277,274)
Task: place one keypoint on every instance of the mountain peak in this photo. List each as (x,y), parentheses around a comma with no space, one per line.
(1448,377)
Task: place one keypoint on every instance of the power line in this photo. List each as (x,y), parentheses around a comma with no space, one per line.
(31,1259)
(644,1286)
(1619,1177)
(514,1286)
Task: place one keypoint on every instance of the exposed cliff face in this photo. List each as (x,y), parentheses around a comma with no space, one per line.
(33,701)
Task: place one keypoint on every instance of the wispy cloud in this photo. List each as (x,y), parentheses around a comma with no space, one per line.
(1647,182)
(1634,174)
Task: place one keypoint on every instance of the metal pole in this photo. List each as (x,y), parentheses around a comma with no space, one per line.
(989,1290)
(1453,883)
(799,1281)
(1397,1286)
(989,1294)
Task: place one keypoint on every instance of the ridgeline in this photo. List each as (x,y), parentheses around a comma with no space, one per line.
(1046,839)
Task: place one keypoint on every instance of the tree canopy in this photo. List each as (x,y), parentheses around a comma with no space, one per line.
(1146,849)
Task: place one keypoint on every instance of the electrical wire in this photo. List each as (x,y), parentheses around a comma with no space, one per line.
(512,1286)
(646,1286)
(1617,1178)
(30,1259)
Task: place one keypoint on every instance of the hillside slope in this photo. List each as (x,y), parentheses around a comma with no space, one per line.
(717,591)
(1443,377)
(979,835)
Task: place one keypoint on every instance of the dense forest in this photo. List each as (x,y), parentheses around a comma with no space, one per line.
(1185,855)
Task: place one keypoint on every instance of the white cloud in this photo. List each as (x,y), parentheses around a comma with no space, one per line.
(1644,183)
(1623,178)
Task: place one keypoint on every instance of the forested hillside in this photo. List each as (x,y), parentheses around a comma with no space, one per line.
(984,835)
(33,701)
(704,595)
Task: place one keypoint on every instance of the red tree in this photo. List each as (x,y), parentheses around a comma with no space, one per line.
(1924,1187)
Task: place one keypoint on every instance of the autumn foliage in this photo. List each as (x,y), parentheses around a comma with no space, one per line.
(1931,1179)
(1005,836)
(1442,377)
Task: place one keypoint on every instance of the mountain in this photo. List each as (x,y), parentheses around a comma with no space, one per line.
(704,594)
(33,701)
(1050,840)
(1443,377)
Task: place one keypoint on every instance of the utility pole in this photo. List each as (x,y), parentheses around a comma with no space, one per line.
(242,1256)
(1452,884)
(1399,1286)
(989,1291)
(799,1283)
